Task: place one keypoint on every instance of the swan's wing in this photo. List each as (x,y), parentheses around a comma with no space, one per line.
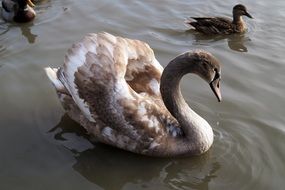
(143,71)
(108,77)
(98,80)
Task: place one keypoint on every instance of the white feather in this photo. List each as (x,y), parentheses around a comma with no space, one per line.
(154,85)
(76,58)
(51,73)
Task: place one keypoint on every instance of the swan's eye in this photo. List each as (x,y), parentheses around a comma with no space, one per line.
(217,74)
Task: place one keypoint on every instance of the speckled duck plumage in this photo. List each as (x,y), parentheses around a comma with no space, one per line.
(221,25)
(116,89)
(19,11)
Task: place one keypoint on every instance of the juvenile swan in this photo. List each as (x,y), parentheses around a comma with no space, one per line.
(222,25)
(116,89)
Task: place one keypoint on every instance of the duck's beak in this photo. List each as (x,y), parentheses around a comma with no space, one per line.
(215,86)
(30,3)
(248,15)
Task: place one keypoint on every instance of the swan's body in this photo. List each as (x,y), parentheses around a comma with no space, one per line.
(221,25)
(20,11)
(111,86)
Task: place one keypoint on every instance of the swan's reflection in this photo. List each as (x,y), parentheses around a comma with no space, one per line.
(26,31)
(236,42)
(112,168)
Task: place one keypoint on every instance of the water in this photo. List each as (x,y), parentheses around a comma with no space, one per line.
(41,148)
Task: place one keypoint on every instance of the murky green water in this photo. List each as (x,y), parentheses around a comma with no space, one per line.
(41,148)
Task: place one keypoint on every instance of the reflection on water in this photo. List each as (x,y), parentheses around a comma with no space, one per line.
(26,31)
(71,135)
(103,163)
(15,37)
(142,171)
(2,49)
(3,29)
(235,42)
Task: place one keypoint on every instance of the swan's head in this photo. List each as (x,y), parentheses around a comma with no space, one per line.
(240,10)
(209,69)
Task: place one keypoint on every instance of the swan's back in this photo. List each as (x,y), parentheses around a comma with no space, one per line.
(110,62)
(113,83)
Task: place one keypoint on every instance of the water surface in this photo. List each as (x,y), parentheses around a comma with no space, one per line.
(41,148)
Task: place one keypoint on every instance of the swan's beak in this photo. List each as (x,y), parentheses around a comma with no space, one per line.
(30,3)
(248,15)
(215,86)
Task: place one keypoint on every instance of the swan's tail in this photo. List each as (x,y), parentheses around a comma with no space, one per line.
(52,75)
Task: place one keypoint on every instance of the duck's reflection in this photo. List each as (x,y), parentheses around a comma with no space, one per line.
(3,27)
(27,33)
(112,168)
(235,42)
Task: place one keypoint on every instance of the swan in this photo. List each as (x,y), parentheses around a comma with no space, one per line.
(20,11)
(116,89)
(221,25)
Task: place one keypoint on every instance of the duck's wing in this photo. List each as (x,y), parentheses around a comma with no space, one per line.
(211,25)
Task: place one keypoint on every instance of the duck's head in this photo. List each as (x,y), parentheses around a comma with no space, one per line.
(240,10)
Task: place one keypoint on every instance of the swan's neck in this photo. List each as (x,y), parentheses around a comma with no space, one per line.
(198,133)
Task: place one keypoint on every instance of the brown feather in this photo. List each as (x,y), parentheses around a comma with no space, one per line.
(221,25)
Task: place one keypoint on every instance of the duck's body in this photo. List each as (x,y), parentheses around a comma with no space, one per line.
(19,11)
(111,86)
(221,25)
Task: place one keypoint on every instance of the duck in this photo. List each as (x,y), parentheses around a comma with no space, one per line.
(222,25)
(19,11)
(116,89)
